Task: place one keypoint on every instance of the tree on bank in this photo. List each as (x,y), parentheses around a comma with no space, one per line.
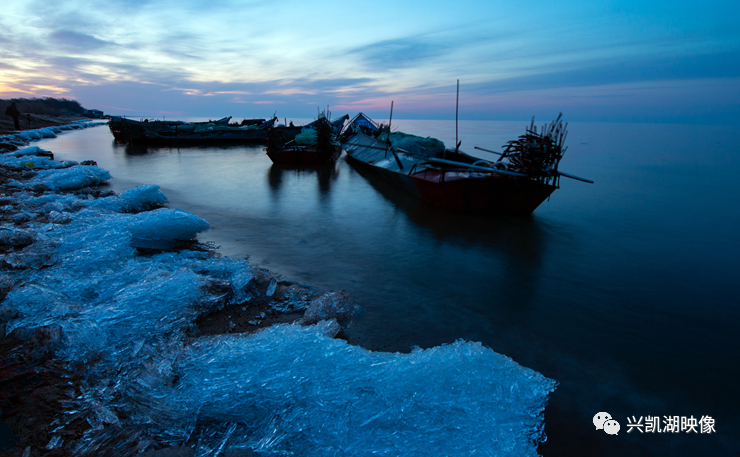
(49,106)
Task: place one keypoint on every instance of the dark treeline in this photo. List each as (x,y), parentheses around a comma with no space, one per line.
(47,105)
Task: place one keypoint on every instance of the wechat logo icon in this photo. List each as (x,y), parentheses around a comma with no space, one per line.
(604,421)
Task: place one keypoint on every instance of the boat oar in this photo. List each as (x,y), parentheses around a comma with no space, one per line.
(388,141)
(575,177)
(475,167)
(488,150)
(395,156)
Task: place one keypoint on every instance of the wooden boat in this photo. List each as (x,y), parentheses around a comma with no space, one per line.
(188,133)
(518,183)
(315,145)
(122,127)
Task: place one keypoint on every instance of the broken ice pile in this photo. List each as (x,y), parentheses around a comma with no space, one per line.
(128,326)
(26,136)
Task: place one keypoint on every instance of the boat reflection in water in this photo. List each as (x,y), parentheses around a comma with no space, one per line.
(326,174)
(507,249)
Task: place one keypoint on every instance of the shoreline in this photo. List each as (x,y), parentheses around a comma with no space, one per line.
(178,301)
(38,121)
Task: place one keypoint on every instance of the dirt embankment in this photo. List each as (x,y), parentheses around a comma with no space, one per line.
(35,121)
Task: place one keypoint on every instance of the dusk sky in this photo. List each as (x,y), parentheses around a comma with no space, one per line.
(624,61)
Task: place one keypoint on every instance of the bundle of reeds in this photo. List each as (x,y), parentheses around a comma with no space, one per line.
(325,137)
(538,154)
(275,139)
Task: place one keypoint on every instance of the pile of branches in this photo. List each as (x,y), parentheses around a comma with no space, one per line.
(276,139)
(538,154)
(324,134)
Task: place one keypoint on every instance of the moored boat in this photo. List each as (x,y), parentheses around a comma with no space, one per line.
(518,183)
(188,133)
(315,145)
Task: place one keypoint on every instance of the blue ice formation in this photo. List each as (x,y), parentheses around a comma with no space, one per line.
(26,136)
(75,177)
(29,159)
(56,175)
(142,198)
(128,326)
(301,392)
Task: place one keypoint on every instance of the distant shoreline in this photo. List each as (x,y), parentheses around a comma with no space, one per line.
(38,121)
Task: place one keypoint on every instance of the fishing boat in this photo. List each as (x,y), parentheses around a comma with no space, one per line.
(317,143)
(188,133)
(122,128)
(524,177)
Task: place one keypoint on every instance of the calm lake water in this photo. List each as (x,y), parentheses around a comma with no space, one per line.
(625,291)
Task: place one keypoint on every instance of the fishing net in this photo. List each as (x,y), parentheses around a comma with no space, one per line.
(430,147)
(307,137)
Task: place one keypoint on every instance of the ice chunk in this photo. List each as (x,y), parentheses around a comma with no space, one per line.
(293,300)
(138,199)
(75,177)
(271,288)
(36,134)
(30,151)
(239,283)
(38,255)
(331,305)
(23,216)
(15,237)
(16,160)
(164,228)
(6,284)
(142,198)
(154,308)
(49,202)
(303,393)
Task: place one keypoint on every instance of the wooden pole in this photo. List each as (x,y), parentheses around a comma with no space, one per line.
(457,104)
(390,120)
(388,140)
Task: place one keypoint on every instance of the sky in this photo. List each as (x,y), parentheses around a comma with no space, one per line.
(611,61)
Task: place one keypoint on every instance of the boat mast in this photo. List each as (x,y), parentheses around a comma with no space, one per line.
(457,104)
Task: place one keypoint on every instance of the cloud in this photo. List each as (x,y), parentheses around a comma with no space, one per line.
(77,41)
(595,72)
(398,53)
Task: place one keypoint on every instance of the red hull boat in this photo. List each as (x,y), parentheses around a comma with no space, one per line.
(460,182)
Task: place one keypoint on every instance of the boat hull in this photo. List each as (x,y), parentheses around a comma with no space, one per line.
(175,133)
(148,139)
(304,155)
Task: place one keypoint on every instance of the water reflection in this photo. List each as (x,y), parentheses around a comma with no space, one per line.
(516,243)
(325,174)
(132,150)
